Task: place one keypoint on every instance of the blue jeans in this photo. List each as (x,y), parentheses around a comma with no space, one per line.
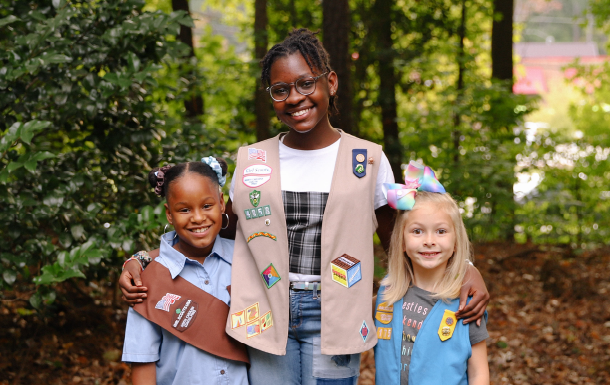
(303,363)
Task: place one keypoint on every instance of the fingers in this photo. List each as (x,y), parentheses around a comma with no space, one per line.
(475,310)
(130,283)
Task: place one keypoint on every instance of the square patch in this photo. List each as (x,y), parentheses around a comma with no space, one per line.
(270,276)
(266,321)
(253,329)
(238,319)
(252,313)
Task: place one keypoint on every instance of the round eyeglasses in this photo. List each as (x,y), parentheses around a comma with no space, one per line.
(304,86)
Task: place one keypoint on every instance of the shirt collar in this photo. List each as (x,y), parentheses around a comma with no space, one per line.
(175,260)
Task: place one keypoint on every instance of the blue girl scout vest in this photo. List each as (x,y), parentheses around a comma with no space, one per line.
(433,361)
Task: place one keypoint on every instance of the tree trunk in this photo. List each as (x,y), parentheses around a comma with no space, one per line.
(502,41)
(261,97)
(387,84)
(193,105)
(336,27)
(502,69)
(461,59)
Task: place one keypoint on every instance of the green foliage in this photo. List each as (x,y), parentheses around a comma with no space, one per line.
(79,133)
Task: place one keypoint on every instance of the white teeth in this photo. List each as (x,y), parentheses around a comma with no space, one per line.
(202,230)
(299,113)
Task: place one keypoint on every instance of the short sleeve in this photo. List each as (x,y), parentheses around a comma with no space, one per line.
(232,188)
(142,339)
(384,175)
(478,333)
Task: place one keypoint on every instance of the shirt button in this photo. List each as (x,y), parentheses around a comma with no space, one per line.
(207,282)
(222,372)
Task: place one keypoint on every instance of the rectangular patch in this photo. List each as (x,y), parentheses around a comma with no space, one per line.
(253,329)
(359,162)
(255,153)
(167,300)
(384,333)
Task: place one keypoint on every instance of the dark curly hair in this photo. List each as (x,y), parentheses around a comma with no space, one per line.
(304,41)
(160,178)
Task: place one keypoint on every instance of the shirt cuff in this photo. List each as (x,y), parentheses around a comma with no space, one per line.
(135,357)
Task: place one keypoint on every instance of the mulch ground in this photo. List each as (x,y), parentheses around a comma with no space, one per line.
(549,322)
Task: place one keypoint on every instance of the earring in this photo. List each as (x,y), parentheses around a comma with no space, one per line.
(227,215)
(165,228)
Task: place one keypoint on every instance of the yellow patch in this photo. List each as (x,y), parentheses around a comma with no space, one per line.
(447,326)
(384,318)
(384,333)
(385,308)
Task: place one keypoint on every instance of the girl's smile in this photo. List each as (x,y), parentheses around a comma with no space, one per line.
(302,113)
(195,207)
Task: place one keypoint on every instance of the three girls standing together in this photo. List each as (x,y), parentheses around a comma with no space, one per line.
(304,207)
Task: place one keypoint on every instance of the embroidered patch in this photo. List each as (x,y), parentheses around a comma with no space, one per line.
(384,318)
(358,162)
(385,308)
(346,270)
(255,197)
(258,169)
(364,331)
(447,326)
(266,321)
(270,276)
(371,160)
(255,153)
(238,319)
(255,180)
(253,329)
(252,313)
(261,234)
(384,333)
(184,318)
(167,300)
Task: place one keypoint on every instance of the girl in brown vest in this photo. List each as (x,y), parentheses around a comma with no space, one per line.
(306,204)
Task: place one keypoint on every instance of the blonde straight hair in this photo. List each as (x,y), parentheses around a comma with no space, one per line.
(400,268)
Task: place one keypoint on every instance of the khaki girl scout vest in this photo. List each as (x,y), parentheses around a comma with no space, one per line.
(259,313)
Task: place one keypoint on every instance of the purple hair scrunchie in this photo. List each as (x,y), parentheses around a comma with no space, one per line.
(160,174)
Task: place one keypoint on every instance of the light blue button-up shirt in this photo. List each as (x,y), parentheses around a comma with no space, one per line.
(178,362)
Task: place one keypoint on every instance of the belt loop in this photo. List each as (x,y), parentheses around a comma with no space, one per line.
(315,290)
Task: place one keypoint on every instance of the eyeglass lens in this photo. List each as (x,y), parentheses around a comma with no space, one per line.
(304,86)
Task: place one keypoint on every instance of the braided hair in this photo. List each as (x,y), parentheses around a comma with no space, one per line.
(307,44)
(160,178)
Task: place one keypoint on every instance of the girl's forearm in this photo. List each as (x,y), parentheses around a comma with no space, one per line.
(144,373)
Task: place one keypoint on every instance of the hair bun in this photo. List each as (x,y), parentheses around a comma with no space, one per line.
(156,179)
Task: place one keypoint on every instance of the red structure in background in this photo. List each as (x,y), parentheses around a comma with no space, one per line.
(540,62)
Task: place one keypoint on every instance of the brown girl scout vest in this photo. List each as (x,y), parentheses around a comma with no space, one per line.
(259,313)
(189,313)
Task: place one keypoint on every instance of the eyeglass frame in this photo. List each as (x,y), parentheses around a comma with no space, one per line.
(315,80)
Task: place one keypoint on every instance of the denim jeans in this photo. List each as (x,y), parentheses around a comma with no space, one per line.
(303,363)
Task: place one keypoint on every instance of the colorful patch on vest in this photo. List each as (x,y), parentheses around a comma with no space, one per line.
(266,321)
(252,313)
(270,276)
(255,196)
(255,180)
(364,331)
(256,175)
(185,315)
(238,319)
(384,318)
(384,333)
(358,162)
(258,169)
(261,234)
(255,153)
(167,300)
(253,329)
(346,270)
(447,326)
(385,308)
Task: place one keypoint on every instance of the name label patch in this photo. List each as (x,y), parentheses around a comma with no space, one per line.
(185,315)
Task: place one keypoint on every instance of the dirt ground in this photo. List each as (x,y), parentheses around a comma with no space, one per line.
(549,322)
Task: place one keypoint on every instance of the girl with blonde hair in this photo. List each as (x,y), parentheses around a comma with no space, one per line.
(420,338)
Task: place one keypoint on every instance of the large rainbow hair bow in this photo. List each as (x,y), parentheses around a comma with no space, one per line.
(417,178)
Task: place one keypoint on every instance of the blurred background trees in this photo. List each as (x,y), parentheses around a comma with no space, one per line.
(94,94)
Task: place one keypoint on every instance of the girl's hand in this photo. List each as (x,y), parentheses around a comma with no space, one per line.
(131,283)
(474,286)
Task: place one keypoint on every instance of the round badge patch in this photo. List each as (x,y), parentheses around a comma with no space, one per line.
(360,157)
(449,321)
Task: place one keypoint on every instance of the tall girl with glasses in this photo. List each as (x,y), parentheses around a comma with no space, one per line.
(304,206)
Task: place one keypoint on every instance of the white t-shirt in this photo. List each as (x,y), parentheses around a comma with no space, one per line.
(312,170)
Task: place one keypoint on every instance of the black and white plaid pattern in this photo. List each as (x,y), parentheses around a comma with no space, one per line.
(304,212)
